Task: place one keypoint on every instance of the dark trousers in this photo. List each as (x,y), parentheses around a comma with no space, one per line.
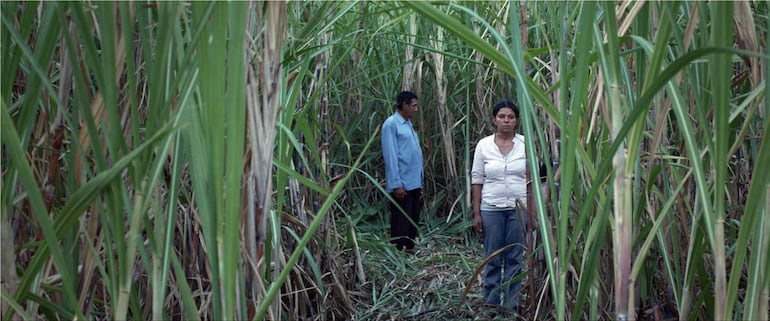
(402,230)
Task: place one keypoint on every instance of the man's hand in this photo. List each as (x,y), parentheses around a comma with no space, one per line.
(399,193)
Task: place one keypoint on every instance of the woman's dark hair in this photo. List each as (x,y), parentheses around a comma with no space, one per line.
(505,103)
(405,97)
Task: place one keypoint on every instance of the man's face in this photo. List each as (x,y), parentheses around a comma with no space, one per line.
(409,109)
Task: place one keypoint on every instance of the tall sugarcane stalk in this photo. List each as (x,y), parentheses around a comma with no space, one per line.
(622,190)
(264,107)
(720,72)
(410,66)
(446,119)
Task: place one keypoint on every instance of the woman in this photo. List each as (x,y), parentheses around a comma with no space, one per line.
(498,192)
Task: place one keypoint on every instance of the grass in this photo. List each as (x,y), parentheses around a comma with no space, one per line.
(426,284)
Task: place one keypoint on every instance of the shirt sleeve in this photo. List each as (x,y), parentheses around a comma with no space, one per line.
(390,155)
(477,170)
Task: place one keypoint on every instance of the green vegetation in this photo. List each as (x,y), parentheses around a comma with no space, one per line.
(220,160)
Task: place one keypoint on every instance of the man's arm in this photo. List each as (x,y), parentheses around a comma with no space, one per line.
(390,156)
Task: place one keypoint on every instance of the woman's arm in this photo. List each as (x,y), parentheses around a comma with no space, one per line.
(530,199)
(477,174)
(476,207)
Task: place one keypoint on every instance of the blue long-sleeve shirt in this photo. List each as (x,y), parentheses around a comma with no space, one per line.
(402,154)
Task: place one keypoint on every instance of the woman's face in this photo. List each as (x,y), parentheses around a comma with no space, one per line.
(506,120)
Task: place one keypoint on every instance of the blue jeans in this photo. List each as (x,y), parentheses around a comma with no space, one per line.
(501,228)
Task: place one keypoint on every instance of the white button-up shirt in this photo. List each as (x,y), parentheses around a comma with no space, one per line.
(504,177)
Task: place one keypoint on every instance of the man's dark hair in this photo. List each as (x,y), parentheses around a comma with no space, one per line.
(405,97)
(505,103)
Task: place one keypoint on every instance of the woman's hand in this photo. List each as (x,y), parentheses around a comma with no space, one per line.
(477,224)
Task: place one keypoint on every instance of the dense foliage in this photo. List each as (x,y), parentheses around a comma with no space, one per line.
(220,160)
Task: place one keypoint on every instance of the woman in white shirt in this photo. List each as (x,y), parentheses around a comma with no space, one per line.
(499,179)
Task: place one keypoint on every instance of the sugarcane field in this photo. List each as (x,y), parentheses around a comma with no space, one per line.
(327,160)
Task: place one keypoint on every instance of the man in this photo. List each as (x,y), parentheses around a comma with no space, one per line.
(403,170)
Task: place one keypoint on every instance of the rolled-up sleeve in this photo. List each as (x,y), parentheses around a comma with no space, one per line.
(477,170)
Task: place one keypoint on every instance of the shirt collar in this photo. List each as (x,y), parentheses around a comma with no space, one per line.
(401,118)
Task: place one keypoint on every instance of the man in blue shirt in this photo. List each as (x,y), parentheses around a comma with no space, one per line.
(403,170)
